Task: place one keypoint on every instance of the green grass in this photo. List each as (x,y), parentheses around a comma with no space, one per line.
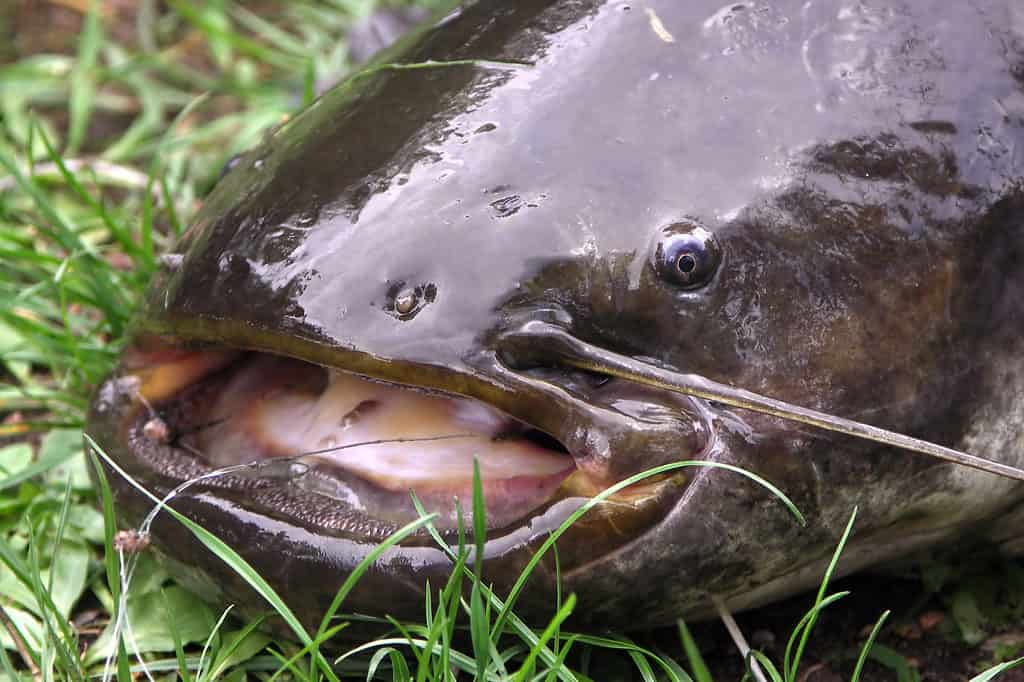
(106,151)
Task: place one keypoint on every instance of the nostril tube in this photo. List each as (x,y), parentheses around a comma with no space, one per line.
(532,344)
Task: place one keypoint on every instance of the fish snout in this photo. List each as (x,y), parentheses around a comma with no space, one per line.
(612,428)
(641,435)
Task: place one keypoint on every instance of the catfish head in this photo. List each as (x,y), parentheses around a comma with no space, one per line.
(572,241)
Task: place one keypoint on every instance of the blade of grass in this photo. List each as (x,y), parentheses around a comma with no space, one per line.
(289,664)
(83,83)
(59,634)
(459,660)
(997,670)
(620,645)
(360,569)
(479,620)
(121,235)
(866,649)
(518,626)
(110,560)
(62,520)
(28,656)
(608,492)
(789,666)
(110,302)
(697,666)
(399,667)
(433,636)
(767,667)
(244,45)
(527,667)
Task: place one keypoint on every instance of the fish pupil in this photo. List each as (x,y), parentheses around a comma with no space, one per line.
(686,263)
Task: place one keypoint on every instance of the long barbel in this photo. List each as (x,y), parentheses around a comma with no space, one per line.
(596,359)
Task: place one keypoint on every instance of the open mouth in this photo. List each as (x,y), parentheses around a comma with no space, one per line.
(368,446)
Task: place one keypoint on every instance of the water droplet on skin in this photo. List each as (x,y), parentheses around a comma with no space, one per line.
(299,468)
(405,302)
(157,430)
(304,220)
(270,469)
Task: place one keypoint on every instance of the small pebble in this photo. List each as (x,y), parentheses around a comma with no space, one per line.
(819,672)
(908,631)
(929,620)
(762,639)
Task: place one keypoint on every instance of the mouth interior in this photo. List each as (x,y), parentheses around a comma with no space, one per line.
(369,443)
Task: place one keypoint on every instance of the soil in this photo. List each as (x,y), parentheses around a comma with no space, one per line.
(920,630)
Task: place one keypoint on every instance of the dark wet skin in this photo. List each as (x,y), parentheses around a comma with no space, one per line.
(861,170)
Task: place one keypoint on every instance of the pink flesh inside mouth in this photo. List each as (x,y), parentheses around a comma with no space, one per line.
(381,441)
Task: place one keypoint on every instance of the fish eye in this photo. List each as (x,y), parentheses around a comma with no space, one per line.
(687,255)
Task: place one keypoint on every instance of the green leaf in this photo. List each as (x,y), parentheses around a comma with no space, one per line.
(893,660)
(62,450)
(969,616)
(9,341)
(149,575)
(150,628)
(15,590)
(29,627)
(68,575)
(13,460)
(86,523)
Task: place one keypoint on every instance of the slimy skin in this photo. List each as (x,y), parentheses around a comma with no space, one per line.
(860,172)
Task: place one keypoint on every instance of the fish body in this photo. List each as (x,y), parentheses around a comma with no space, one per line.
(819,202)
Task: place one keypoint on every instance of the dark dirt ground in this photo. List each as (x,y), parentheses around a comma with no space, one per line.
(920,630)
(922,640)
